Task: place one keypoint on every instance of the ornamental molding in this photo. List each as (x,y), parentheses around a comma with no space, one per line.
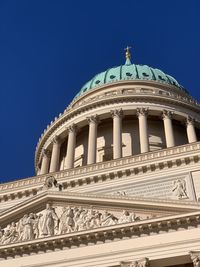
(72,128)
(56,140)
(190,121)
(167,114)
(142,163)
(120,97)
(117,113)
(142,112)
(93,119)
(46,153)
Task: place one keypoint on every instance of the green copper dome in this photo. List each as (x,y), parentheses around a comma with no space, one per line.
(126,72)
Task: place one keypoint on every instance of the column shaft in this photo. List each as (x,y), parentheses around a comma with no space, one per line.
(92,139)
(117,133)
(143,129)
(168,127)
(71,146)
(191,134)
(55,157)
(45,162)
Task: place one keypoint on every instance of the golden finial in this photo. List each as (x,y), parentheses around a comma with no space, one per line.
(128,53)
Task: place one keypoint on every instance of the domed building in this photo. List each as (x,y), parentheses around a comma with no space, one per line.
(117,179)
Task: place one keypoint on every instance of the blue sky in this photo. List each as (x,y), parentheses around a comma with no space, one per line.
(49,49)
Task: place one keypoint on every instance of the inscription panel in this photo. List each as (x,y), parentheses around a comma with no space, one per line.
(173,187)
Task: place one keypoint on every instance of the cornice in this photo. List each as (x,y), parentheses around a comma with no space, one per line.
(120,95)
(103,234)
(160,206)
(142,163)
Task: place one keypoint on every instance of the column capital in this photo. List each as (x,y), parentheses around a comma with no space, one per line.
(195,257)
(93,119)
(117,113)
(46,153)
(72,128)
(139,263)
(166,114)
(189,121)
(56,140)
(142,112)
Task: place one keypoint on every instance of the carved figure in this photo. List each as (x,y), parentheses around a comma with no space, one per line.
(108,219)
(77,212)
(49,221)
(81,220)
(66,221)
(13,233)
(51,183)
(6,237)
(27,222)
(95,220)
(125,218)
(36,229)
(179,189)
(20,228)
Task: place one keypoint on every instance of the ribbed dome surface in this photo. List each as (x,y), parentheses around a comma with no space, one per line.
(129,72)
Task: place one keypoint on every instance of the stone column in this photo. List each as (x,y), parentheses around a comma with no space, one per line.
(71,146)
(117,132)
(92,139)
(191,134)
(143,129)
(55,154)
(168,127)
(45,161)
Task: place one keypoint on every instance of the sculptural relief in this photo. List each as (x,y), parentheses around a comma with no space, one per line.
(179,189)
(50,222)
(27,222)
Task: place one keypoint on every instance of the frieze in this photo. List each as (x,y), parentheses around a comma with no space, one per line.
(170,188)
(61,220)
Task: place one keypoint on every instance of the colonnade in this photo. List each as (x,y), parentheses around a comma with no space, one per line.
(50,160)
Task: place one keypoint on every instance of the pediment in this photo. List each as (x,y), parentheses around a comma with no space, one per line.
(51,214)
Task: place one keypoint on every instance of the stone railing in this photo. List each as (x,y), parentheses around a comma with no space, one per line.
(93,169)
(138,91)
